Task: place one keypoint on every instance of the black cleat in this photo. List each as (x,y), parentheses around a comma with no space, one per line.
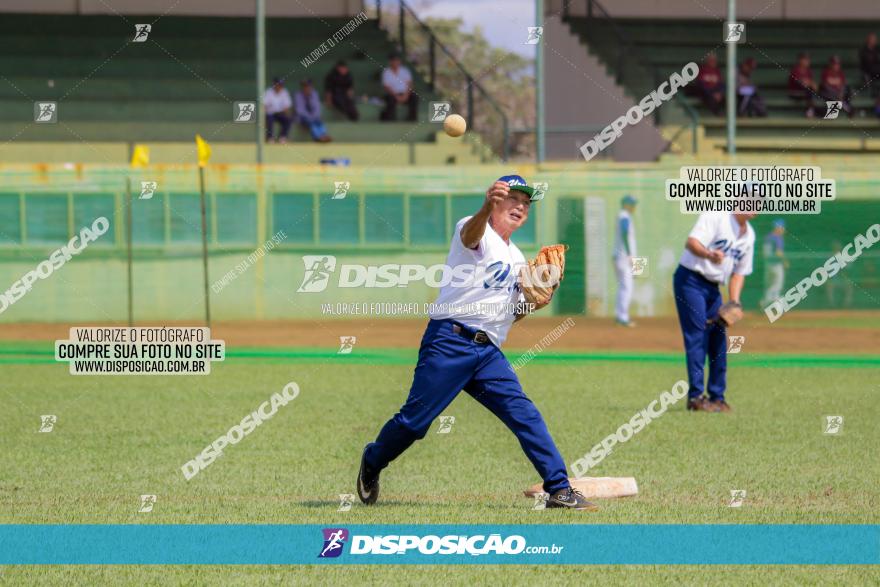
(367,483)
(572,499)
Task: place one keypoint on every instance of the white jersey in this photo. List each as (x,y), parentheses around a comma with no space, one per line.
(721,231)
(276,102)
(486,302)
(624,236)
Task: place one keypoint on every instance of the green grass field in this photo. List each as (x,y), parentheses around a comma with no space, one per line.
(119,437)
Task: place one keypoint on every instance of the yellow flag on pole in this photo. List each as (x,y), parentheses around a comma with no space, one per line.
(140,156)
(204,150)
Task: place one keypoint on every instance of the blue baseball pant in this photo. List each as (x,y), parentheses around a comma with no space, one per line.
(448,363)
(698,300)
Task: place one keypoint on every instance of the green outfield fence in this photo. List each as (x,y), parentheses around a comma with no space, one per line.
(387,215)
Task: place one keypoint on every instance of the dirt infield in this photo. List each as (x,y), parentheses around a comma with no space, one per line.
(803,332)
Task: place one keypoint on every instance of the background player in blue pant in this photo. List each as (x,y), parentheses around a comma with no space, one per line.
(719,250)
(460,349)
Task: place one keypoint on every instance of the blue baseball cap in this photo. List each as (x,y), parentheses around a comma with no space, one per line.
(628,200)
(779,223)
(517,183)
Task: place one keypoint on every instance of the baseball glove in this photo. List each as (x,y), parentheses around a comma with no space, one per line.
(540,278)
(729,313)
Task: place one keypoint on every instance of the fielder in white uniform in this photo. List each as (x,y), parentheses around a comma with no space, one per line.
(719,250)
(624,251)
(775,263)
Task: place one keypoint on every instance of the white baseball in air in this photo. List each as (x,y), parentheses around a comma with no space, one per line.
(454,125)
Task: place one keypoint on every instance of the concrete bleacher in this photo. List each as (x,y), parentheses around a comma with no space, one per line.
(659,47)
(184,79)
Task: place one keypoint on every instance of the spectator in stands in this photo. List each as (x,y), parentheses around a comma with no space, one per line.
(339,90)
(398,83)
(308,111)
(749,100)
(834,85)
(802,86)
(709,85)
(278,105)
(869,62)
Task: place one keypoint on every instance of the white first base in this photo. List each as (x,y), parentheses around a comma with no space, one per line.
(596,487)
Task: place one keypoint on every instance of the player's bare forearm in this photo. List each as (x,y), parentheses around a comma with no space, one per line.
(737,282)
(473,230)
(700,250)
(696,247)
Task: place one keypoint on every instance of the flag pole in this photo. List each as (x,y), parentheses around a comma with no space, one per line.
(205,246)
(140,158)
(128,247)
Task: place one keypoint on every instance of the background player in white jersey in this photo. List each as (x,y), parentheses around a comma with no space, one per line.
(624,251)
(719,250)
(460,350)
(775,263)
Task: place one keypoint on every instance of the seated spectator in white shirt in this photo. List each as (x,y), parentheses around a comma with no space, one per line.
(278,106)
(398,83)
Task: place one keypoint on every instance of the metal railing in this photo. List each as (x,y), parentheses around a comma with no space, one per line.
(628,52)
(419,45)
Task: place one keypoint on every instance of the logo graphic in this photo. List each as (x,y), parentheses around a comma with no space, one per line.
(244,112)
(498,273)
(318,270)
(535,34)
(47,423)
(638,265)
(147,502)
(737,496)
(541,188)
(446,423)
(735,32)
(141,32)
(541,501)
(833,425)
(46,112)
(346,345)
(340,189)
(832,109)
(735,343)
(439,111)
(345,501)
(334,540)
(147,190)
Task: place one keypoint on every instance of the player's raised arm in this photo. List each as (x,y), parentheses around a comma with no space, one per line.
(473,230)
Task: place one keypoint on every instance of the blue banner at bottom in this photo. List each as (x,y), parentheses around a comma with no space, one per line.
(439,544)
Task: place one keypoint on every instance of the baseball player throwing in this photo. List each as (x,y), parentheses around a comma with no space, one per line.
(460,349)
(719,250)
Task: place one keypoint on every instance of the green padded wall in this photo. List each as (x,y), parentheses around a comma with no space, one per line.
(390,215)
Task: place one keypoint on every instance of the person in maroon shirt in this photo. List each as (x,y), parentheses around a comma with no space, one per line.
(834,84)
(801,85)
(709,85)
